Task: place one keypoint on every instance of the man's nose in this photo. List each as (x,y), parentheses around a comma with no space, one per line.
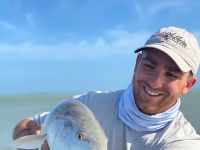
(156,80)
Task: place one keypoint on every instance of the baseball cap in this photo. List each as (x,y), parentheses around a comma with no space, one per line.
(177,43)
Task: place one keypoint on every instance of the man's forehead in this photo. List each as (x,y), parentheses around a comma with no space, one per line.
(154,53)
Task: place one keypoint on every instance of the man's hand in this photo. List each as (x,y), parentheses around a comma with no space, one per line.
(26,127)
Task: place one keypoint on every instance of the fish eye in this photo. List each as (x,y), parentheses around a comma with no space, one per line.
(80,135)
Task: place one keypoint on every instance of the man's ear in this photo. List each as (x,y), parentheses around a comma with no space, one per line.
(191,81)
(139,56)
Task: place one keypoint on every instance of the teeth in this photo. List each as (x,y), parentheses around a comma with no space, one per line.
(152,93)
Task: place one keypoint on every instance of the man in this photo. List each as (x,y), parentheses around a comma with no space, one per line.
(146,115)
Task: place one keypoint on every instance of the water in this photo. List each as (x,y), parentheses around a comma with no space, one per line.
(14,108)
(17,107)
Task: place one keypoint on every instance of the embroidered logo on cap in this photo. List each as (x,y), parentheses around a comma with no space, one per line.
(172,36)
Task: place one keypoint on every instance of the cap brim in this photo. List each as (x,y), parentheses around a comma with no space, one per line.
(170,52)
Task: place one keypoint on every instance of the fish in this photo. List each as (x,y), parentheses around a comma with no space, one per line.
(71,125)
(29,142)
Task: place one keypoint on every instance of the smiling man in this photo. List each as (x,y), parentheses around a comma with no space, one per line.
(158,82)
(146,115)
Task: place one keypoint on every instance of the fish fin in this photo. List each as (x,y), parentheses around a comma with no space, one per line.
(29,142)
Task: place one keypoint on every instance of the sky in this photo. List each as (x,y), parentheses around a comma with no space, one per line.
(55,46)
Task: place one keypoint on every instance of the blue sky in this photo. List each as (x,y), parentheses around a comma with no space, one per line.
(81,45)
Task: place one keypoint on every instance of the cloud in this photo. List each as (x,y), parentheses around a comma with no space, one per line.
(150,9)
(30,21)
(160,6)
(114,42)
(6,25)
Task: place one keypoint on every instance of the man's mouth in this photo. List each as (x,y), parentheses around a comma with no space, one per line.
(151,92)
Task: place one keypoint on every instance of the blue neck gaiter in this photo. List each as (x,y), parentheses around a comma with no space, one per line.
(132,117)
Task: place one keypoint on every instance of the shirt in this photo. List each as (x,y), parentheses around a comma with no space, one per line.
(177,135)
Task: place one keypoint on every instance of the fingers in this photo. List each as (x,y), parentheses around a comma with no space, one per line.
(26,127)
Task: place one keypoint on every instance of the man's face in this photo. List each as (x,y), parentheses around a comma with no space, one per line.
(158,82)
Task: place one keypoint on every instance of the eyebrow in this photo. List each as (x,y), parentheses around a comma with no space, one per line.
(171,68)
(174,69)
(149,59)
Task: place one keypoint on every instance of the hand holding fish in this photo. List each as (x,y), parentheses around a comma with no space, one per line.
(70,125)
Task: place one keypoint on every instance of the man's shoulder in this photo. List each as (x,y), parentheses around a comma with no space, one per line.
(104,105)
(179,134)
(99,96)
(182,127)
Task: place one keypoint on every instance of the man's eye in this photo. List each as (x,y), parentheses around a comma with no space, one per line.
(169,74)
(148,66)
